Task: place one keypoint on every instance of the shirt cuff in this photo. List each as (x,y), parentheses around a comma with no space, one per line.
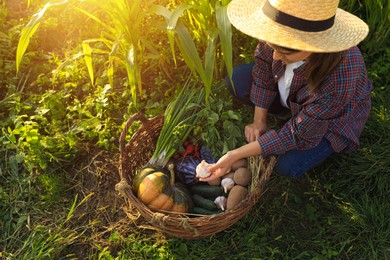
(270,143)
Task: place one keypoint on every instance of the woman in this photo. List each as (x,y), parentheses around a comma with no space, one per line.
(306,63)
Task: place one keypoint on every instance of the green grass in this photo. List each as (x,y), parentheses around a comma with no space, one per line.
(59,160)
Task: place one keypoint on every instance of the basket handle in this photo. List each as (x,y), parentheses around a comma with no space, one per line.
(122,139)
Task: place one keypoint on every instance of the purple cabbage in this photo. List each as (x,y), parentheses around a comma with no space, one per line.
(206,154)
(185,169)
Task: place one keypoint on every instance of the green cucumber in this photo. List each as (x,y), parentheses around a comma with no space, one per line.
(202,211)
(206,190)
(202,202)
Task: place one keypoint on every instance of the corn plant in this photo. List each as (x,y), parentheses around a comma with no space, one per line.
(199,29)
(121,40)
(29,30)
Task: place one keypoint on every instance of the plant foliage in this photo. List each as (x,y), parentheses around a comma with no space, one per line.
(62,107)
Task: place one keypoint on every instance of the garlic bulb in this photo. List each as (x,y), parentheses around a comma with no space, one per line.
(227,184)
(221,202)
(202,170)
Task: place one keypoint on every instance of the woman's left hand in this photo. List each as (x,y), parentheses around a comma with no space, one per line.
(224,164)
(219,168)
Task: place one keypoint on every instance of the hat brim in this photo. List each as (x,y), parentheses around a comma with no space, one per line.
(248,17)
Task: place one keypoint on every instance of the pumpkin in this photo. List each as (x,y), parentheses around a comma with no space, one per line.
(157,190)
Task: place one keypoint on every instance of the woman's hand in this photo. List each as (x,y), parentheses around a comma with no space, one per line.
(224,164)
(255,130)
(219,168)
(258,127)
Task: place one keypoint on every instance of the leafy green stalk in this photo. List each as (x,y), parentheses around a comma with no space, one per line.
(123,39)
(208,37)
(30,29)
(180,117)
(225,34)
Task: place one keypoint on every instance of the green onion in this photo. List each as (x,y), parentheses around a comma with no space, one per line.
(179,119)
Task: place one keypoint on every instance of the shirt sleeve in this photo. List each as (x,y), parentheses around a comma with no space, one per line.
(263,89)
(333,103)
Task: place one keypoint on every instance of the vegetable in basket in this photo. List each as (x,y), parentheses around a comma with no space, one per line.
(159,191)
(152,185)
(202,170)
(185,169)
(179,119)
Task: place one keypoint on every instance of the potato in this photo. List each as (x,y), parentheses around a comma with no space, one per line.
(228,175)
(242,176)
(238,164)
(236,195)
(215,182)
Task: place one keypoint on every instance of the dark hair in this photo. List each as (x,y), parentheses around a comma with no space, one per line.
(319,66)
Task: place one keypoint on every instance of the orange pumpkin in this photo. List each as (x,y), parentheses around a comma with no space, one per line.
(158,190)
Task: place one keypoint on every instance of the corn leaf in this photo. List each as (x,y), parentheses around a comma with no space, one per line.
(29,31)
(88,60)
(225,35)
(114,51)
(210,60)
(189,51)
(131,74)
(185,42)
(93,17)
(176,14)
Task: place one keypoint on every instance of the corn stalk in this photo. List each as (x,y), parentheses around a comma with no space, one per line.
(209,34)
(122,38)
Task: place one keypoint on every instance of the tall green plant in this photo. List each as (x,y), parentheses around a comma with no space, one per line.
(122,38)
(125,37)
(29,30)
(206,34)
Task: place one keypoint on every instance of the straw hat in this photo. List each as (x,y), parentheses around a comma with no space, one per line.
(307,25)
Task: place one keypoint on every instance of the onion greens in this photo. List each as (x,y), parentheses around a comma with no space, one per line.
(180,117)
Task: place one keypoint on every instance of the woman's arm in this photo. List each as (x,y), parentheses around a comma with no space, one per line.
(225,162)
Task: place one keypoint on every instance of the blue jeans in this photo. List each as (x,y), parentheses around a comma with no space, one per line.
(293,163)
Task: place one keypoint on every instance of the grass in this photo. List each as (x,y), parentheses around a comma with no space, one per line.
(69,209)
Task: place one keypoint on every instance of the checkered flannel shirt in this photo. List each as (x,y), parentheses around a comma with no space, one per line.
(338,111)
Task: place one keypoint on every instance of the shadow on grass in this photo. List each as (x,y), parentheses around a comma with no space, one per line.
(339,210)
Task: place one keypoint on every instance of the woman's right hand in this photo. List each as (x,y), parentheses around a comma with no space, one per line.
(258,127)
(255,130)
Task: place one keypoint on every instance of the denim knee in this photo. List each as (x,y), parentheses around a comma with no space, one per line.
(285,169)
(296,162)
(242,80)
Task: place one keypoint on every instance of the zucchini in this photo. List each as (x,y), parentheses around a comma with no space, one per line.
(206,190)
(202,211)
(203,202)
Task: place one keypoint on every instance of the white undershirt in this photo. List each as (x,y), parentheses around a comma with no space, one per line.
(284,82)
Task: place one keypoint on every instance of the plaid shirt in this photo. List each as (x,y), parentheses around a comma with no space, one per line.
(338,111)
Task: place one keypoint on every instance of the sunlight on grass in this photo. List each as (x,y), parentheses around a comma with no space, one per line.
(62,106)
(348,209)
(382,113)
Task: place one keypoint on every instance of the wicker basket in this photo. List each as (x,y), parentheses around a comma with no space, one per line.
(137,152)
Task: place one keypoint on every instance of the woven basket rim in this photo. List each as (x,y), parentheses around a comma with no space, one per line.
(186,225)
